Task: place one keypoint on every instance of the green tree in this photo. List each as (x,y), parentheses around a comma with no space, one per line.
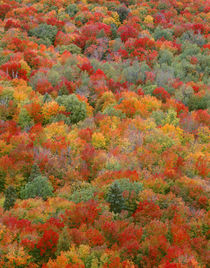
(115,198)
(35,172)
(10,198)
(39,187)
(24,119)
(2,180)
(45,32)
(75,108)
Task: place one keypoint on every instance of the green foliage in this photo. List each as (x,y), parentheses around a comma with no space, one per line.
(171,118)
(149,89)
(24,119)
(132,73)
(122,12)
(115,198)
(189,49)
(10,198)
(72,10)
(184,94)
(158,117)
(193,38)
(47,98)
(127,185)
(2,180)
(127,192)
(83,193)
(111,111)
(156,137)
(53,77)
(60,117)
(39,187)
(35,172)
(64,241)
(45,32)
(165,56)
(76,108)
(160,32)
(196,103)
(74,49)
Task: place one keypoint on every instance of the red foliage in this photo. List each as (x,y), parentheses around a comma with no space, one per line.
(147,211)
(48,243)
(13,69)
(82,213)
(126,32)
(86,135)
(11,24)
(55,22)
(4,8)
(95,238)
(161,94)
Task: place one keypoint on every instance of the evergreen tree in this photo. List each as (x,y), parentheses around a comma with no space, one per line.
(2,180)
(10,198)
(35,172)
(115,199)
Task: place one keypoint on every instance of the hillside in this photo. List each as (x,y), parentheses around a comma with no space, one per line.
(104,133)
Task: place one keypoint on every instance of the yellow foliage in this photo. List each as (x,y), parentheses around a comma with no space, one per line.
(84,251)
(73,255)
(51,109)
(175,132)
(26,67)
(98,140)
(151,103)
(60,261)
(17,256)
(4,147)
(109,20)
(21,93)
(148,19)
(58,129)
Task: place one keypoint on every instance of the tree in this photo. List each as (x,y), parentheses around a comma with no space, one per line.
(10,198)
(39,187)
(115,199)
(75,108)
(35,172)
(45,32)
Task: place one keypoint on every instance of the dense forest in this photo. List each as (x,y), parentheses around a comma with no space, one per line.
(104,133)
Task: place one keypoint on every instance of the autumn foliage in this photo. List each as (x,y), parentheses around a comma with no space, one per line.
(104,134)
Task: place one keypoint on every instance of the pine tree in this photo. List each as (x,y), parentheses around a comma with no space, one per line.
(115,198)
(2,180)
(35,172)
(10,198)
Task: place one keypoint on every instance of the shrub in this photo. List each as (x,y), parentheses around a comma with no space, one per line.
(10,198)
(75,108)
(39,187)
